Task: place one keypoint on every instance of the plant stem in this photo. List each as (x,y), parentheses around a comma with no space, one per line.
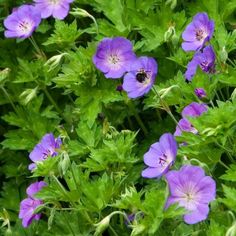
(222,95)
(138,118)
(63,190)
(223,164)
(212,104)
(50,98)
(38,50)
(9,98)
(112,230)
(217,95)
(166,107)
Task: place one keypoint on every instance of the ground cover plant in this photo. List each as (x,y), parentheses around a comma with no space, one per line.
(118,117)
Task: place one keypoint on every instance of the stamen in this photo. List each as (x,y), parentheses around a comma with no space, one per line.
(199,34)
(113,59)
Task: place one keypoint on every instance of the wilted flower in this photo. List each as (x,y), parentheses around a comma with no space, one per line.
(160,156)
(141,77)
(57,8)
(191,189)
(194,109)
(46,148)
(200,93)
(198,32)
(114,56)
(205,60)
(29,204)
(22,22)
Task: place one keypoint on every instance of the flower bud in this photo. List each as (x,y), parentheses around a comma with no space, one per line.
(223,55)
(54,61)
(200,93)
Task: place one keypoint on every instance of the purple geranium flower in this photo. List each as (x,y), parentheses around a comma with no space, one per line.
(114,56)
(198,32)
(57,8)
(200,93)
(22,22)
(205,60)
(141,77)
(191,189)
(47,147)
(160,156)
(194,109)
(28,205)
(186,126)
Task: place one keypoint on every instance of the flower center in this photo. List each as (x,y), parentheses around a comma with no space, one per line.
(200,34)
(114,59)
(25,26)
(189,197)
(163,160)
(54,2)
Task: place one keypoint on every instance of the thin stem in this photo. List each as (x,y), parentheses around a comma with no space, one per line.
(112,230)
(35,45)
(138,118)
(166,107)
(217,95)
(223,164)
(52,100)
(227,151)
(9,98)
(212,104)
(222,95)
(233,64)
(63,190)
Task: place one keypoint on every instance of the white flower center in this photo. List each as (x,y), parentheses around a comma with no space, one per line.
(200,34)
(54,2)
(25,26)
(113,59)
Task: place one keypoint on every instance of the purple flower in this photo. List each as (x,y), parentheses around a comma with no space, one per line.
(200,93)
(194,109)
(47,147)
(198,32)
(191,189)
(22,22)
(114,56)
(205,60)
(141,77)
(57,8)
(28,205)
(160,156)
(186,126)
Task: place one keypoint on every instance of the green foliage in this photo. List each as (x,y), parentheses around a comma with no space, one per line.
(94,183)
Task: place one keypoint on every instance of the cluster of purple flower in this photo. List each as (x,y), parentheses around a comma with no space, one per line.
(46,148)
(24,20)
(196,35)
(115,58)
(29,204)
(189,187)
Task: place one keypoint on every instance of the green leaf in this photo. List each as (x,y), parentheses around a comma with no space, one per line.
(230,174)
(64,34)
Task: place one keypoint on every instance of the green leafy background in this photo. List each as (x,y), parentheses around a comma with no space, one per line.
(95,183)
